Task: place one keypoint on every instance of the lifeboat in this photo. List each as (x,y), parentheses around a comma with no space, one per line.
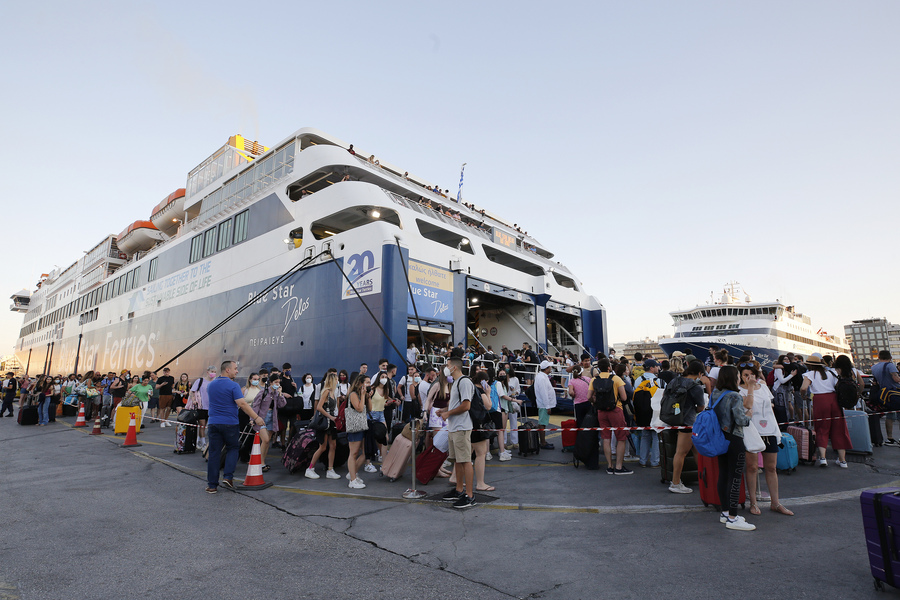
(137,237)
(167,215)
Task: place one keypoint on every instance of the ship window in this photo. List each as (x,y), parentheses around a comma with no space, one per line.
(151,275)
(351,218)
(240,226)
(513,262)
(196,246)
(129,280)
(136,282)
(720,326)
(708,328)
(209,242)
(566,282)
(697,328)
(224,234)
(451,239)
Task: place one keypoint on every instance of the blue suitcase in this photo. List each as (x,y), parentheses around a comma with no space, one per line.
(881,523)
(860,435)
(788,457)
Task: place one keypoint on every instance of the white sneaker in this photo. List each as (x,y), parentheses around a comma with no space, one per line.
(488,456)
(370,468)
(822,462)
(739,524)
(162,425)
(348,476)
(330,474)
(311,474)
(841,463)
(505,456)
(356,484)
(680,488)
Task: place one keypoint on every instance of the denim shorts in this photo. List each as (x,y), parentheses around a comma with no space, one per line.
(356,437)
(377,415)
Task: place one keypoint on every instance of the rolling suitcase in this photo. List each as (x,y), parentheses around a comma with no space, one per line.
(668,441)
(708,471)
(185,439)
(394,464)
(28,415)
(881,523)
(806,448)
(428,463)
(529,440)
(788,458)
(587,448)
(300,450)
(569,433)
(858,426)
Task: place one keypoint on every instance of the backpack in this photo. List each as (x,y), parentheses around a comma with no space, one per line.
(847,392)
(604,393)
(644,389)
(674,400)
(706,432)
(637,371)
(770,379)
(477,412)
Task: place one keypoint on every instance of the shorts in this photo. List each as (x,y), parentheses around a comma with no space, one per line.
(165,401)
(497,418)
(153,402)
(771,443)
(612,418)
(377,415)
(460,446)
(357,436)
(892,416)
(544,416)
(202,415)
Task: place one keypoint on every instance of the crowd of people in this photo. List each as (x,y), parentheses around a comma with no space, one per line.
(441,383)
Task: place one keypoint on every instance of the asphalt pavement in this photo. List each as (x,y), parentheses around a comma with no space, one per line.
(86,518)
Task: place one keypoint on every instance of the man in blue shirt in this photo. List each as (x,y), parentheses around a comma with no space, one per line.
(886,374)
(225,397)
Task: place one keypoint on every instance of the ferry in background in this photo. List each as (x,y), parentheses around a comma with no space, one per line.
(736,324)
(365,256)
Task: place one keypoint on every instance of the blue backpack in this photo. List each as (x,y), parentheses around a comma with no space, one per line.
(707,433)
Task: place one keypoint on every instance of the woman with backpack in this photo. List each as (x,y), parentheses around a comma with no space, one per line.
(481,439)
(265,404)
(754,390)
(689,390)
(827,414)
(733,413)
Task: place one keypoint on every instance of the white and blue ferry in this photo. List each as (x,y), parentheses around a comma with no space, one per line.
(735,323)
(307,252)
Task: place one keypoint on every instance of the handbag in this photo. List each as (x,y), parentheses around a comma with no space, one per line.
(319,422)
(354,420)
(753,442)
(130,400)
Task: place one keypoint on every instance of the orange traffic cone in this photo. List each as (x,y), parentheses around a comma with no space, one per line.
(131,436)
(79,421)
(254,479)
(96,430)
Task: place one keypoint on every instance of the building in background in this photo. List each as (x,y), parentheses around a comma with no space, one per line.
(868,337)
(10,363)
(648,347)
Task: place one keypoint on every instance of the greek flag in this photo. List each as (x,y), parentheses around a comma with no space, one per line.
(462,170)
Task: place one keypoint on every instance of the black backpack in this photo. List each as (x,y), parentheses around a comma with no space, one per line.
(477,412)
(674,400)
(604,393)
(847,392)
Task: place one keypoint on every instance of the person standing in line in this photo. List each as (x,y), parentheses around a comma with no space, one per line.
(328,406)
(200,393)
(828,415)
(266,405)
(579,390)
(887,376)
(164,385)
(545,397)
(754,390)
(44,389)
(224,398)
(10,386)
(460,429)
(358,400)
(690,388)
(612,418)
(733,413)
(180,392)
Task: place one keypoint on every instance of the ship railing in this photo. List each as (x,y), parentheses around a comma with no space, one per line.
(431,212)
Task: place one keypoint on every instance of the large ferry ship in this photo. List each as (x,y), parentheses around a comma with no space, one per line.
(306,252)
(735,323)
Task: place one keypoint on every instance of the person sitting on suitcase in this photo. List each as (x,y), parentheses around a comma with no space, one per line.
(459,426)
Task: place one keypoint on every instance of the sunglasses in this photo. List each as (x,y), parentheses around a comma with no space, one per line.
(747,365)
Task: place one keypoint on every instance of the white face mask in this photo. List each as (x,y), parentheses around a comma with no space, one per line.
(309,380)
(383,381)
(276,387)
(446,371)
(418,379)
(255,382)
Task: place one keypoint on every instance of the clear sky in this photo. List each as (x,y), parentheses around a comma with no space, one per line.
(659,149)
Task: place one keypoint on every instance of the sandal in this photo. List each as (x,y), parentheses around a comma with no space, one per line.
(489,488)
(781,508)
(265,468)
(754,510)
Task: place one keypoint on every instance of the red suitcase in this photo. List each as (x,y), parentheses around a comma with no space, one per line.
(569,433)
(806,446)
(428,463)
(394,464)
(708,470)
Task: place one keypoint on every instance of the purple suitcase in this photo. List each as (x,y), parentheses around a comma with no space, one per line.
(881,523)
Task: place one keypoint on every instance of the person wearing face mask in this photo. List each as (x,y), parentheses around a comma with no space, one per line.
(201,395)
(266,405)
(462,392)
(409,386)
(307,391)
(784,390)
(379,398)
(343,388)
(328,406)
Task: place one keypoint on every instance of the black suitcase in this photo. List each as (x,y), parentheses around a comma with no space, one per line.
(668,441)
(341,452)
(28,415)
(587,447)
(185,439)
